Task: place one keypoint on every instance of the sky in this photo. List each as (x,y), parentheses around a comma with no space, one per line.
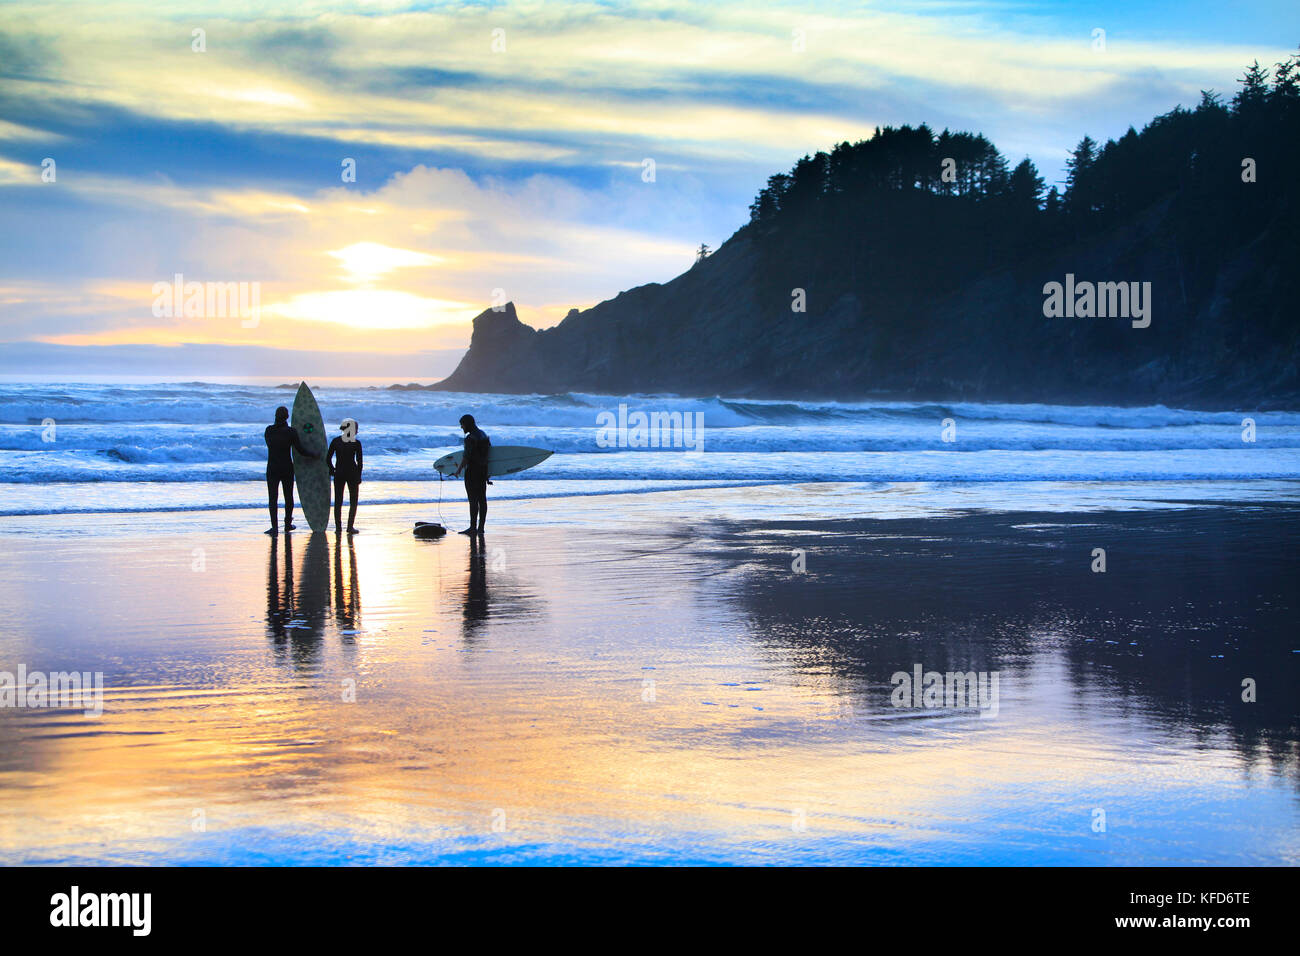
(372,175)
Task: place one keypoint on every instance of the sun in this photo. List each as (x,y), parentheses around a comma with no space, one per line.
(373,309)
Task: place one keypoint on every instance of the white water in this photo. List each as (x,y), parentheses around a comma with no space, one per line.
(195,445)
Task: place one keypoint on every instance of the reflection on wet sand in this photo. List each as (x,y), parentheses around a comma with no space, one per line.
(1195,608)
(665,696)
(279,597)
(477,608)
(482,605)
(347,600)
(296,617)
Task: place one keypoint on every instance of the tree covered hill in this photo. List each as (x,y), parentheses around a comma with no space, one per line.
(914,264)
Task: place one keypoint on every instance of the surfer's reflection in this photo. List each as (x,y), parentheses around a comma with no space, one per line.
(347,601)
(295,616)
(279,600)
(477,609)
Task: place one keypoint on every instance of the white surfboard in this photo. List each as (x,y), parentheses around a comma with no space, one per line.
(311,475)
(502,460)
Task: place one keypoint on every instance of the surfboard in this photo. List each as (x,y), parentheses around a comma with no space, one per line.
(311,475)
(313,590)
(502,460)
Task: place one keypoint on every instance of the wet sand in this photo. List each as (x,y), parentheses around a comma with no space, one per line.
(602,681)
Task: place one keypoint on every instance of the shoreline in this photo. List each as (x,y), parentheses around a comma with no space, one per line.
(761,498)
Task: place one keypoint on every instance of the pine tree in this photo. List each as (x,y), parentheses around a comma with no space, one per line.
(1210,101)
(1052,205)
(1286,81)
(1025,187)
(1078,186)
(1254,91)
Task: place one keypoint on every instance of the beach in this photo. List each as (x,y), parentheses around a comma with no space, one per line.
(702,675)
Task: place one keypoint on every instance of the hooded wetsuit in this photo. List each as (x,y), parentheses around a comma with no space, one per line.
(477,446)
(280,438)
(344,459)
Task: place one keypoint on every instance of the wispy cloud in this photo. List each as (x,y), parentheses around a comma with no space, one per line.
(491,162)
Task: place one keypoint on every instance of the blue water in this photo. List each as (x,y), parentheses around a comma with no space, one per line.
(61,444)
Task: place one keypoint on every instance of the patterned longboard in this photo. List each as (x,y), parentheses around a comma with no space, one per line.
(312,475)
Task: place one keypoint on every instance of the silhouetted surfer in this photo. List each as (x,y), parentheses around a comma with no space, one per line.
(344,459)
(280,438)
(475,465)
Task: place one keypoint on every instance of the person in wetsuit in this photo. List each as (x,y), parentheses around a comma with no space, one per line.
(281,437)
(344,459)
(474,465)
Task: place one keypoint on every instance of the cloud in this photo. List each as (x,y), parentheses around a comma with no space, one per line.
(699,82)
(411,261)
(485,172)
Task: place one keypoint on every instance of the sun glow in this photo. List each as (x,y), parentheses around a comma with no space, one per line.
(367,261)
(373,309)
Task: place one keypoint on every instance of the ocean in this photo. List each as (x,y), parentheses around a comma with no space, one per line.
(95,448)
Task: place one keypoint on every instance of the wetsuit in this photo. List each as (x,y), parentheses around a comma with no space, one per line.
(281,437)
(477,445)
(344,458)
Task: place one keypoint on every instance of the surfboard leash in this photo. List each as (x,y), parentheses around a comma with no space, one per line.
(441,520)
